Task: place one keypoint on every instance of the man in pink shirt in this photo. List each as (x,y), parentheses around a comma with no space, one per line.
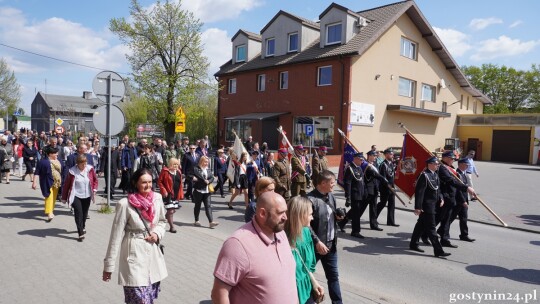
(255,264)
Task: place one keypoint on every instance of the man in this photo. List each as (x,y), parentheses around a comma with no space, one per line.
(372,177)
(220,170)
(354,193)
(324,231)
(299,178)
(256,265)
(282,174)
(125,140)
(207,144)
(189,162)
(388,170)
(159,147)
(449,186)
(115,165)
(319,163)
(183,148)
(201,149)
(462,199)
(72,159)
(249,143)
(427,195)
(127,163)
(471,169)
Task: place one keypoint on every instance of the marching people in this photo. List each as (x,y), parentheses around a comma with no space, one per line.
(462,203)
(189,162)
(202,177)
(172,191)
(299,177)
(49,171)
(319,163)
(30,154)
(255,265)
(388,170)
(427,197)
(282,174)
(269,165)
(138,228)
(220,171)
(79,190)
(240,182)
(7,148)
(324,231)
(354,194)
(372,177)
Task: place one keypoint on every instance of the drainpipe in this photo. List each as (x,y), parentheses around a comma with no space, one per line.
(342,102)
(218,110)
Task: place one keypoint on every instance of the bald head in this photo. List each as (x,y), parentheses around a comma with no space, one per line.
(271,212)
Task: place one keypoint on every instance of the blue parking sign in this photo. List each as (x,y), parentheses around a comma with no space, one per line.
(309,130)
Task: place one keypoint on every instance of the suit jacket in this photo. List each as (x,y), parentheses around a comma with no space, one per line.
(387,170)
(449,185)
(220,166)
(372,177)
(200,184)
(427,194)
(319,224)
(461,195)
(201,152)
(354,183)
(282,176)
(189,163)
(72,160)
(269,169)
(115,162)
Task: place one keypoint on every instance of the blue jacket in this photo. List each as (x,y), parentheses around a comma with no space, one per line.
(219,166)
(125,161)
(44,171)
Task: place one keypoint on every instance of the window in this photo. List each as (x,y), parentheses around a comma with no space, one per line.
(428,93)
(333,33)
(283,80)
(261,82)
(38,108)
(467,103)
(241,127)
(323,131)
(293,42)
(474,109)
(240,53)
(324,76)
(444,106)
(232,86)
(406,87)
(408,48)
(270,46)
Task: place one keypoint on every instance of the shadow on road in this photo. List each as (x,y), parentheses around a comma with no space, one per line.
(22,205)
(537,243)
(27,215)
(23,198)
(396,243)
(49,232)
(530,276)
(530,219)
(524,168)
(206,302)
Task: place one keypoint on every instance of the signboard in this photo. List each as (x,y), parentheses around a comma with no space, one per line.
(180,121)
(148,130)
(59,130)
(309,130)
(362,114)
(59,121)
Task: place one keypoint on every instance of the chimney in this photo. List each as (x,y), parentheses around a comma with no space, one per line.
(87,95)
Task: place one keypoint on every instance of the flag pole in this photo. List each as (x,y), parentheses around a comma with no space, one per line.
(459,179)
(280,130)
(350,143)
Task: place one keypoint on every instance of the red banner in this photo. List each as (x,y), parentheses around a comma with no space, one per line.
(412,163)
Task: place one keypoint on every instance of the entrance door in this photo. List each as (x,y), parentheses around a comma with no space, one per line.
(512,146)
(270,134)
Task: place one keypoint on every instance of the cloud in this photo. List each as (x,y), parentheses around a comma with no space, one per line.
(216,10)
(217,48)
(502,47)
(456,42)
(480,24)
(516,23)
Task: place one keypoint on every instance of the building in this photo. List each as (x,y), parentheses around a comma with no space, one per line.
(359,71)
(75,111)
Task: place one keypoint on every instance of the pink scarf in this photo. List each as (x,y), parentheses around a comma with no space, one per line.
(144,204)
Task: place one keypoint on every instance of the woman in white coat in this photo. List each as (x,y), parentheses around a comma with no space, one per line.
(141,265)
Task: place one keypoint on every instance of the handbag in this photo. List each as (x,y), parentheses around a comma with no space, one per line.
(211,188)
(160,246)
(317,298)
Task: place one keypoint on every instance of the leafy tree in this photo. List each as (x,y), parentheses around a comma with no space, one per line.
(166,57)
(135,111)
(10,90)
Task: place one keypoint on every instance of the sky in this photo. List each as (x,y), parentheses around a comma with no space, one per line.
(475,32)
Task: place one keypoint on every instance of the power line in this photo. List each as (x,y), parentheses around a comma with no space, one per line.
(57,59)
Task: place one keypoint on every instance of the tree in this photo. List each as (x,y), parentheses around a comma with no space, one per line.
(166,58)
(10,90)
(135,111)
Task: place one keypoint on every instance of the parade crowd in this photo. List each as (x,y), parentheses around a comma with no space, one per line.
(291,217)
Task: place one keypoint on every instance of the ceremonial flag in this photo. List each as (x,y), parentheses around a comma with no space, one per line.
(346,159)
(238,148)
(284,144)
(412,163)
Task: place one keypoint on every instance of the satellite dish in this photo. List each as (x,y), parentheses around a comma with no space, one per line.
(443,84)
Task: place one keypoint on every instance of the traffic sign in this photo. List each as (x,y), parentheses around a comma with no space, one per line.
(180,121)
(309,130)
(59,121)
(59,130)
(109,87)
(117,120)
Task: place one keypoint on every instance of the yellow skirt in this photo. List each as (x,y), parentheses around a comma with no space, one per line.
(51,200)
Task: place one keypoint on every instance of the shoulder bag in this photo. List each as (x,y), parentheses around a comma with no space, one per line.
(160,246)
(316,297)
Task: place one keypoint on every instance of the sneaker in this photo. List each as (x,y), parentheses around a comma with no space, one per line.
(197,224)
(213,224)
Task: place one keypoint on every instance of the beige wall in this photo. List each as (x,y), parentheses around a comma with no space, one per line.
(383,58)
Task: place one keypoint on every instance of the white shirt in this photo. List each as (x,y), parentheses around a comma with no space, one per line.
(81,184)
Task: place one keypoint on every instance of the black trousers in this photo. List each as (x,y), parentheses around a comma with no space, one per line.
(202,198)
(370,201)
(426,226)
(80,211)
(221,183)
(387,197)
(462,213)
(189,187)
(126,178)
(443,219)
(112,184)
(354,214)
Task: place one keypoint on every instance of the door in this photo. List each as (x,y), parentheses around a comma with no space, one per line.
(270,134)
(512,146)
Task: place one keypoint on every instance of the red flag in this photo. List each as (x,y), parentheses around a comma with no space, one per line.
(284,145)
(412,163)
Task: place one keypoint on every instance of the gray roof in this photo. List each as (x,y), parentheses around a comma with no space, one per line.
(248,34)
(67,103)
(382,18)
(301,20)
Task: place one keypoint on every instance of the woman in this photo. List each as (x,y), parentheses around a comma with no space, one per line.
(30,154)
(49,171)
(15,145)
(264,184)
(20,157)
(172,191)
(7,148)
(299,215)
(240,179)
(202,178)
(148,161)
(141,264)
(79,189)
(96,154)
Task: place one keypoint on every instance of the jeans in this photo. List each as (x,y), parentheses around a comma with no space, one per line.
(330,266)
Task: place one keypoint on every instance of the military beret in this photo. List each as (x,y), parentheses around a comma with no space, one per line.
(463,161)
(299,147)
(283,150)
(323,149)
(449,154)
(431,160)
(389,150)
(371,153)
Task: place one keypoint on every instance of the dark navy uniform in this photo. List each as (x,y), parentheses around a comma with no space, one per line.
(388,170)
(449,188)
(372,179)
(354,193)
(462,208)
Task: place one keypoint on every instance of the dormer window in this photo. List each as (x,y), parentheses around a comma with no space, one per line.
(293,42)
(333,33)
(241,53)
(270,47)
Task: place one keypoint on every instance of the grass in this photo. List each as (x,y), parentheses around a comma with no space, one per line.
(106,209)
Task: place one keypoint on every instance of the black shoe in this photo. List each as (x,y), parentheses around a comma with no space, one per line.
(377,228)
(426,241)
(222,196)
(357,235)
(416,248)
(393,225)
(230,206)
(341,225)
(442,254)
(466,239)
(448,244)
